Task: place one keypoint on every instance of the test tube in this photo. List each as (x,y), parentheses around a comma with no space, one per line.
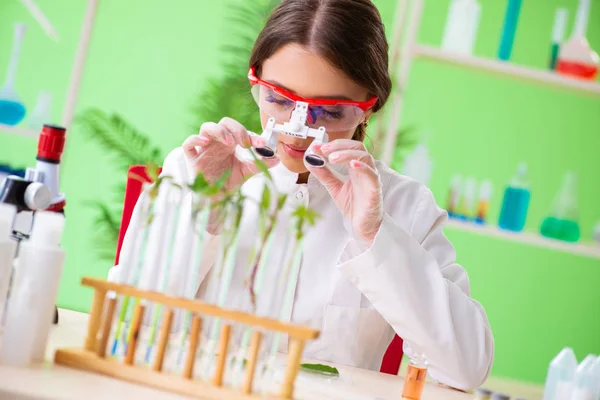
(415,378)
(558,35)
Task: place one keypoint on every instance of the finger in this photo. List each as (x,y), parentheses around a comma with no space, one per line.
(191,144)
(216,133)
(325,175)
(359,171)
(345,156)
(238,132)
(342,144)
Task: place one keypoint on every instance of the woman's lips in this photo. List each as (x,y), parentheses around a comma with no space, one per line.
(294,152)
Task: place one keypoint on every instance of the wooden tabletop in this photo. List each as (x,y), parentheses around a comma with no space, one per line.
(50,381)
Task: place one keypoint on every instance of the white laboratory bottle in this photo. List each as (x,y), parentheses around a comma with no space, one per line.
(582,386)
(462,23)
(595,378)
(561,372)
(8,248)
(36,286)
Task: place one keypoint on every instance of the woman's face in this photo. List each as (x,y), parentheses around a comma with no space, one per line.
(305,73)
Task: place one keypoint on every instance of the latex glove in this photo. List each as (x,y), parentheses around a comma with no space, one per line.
(360,197)
(212,152)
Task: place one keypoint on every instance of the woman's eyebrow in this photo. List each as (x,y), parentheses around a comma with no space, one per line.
(339,97)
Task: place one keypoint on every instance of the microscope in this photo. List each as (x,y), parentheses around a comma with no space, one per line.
(39,189)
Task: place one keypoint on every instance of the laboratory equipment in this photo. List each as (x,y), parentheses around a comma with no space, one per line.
(12,109)
(31,304)
(576,58)
(483,394)
(8,249)
(558,35)
(515,202)
(41,19)
(584,385)
(562,223)
(594,378)
(296,127)
(419,165)
(509,30)
(483,205)
(461,28)
(42,111)
(467,202)
(414,382)
(559,380)
(454,196)
(500,396)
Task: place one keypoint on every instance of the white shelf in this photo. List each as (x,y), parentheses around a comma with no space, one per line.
(591,249)
(17,130)
(544,77)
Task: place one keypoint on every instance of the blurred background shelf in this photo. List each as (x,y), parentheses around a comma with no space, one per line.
(17,130)
(507,68)
(590,249)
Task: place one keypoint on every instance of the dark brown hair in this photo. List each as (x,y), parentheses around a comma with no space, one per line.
(348,33)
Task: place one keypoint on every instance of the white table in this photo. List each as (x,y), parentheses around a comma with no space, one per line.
(49,381)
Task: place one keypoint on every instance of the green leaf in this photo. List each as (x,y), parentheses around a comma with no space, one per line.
(265,201)
(281,200)
(200,184)
(220,183)
(320,368)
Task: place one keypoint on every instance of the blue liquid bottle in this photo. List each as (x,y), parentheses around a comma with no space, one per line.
(516,202)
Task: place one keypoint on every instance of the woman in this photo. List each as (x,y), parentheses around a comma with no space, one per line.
(377,262)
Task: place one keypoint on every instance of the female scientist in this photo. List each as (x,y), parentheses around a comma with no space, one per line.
(377,262)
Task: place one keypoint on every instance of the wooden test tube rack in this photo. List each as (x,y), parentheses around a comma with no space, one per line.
(92,357)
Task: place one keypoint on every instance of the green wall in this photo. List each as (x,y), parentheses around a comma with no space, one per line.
(148,59)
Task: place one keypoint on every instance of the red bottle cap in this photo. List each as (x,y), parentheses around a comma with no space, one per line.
(51,143)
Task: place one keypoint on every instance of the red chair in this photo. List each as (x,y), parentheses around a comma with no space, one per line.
(393,356)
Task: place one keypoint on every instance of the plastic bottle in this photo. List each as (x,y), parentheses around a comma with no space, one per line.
(467,202)
(485,194)
(559,381)
(515,203)
(562,223)
(31,307)
(576,58)
(595,378)
(583,386)
(415,378)
(461,28)
(8,248)
(454,195)
(509,30)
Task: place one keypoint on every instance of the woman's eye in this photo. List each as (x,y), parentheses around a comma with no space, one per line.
(335,113)
(282,101)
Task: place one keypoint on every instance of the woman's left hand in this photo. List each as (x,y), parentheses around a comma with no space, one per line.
(359,198)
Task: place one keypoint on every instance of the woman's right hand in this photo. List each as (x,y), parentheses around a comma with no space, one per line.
(212,152)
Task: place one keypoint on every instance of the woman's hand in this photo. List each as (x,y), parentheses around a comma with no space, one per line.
(360,198)
(212,152)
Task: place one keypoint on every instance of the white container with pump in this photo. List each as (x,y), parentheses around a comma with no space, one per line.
(8,248)
(31,308)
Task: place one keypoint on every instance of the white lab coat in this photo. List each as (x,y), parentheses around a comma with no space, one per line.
(406,282)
